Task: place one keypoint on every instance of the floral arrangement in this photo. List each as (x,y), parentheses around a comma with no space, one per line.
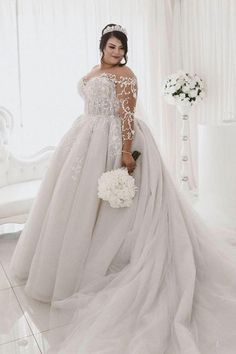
(183,89)
(117,187)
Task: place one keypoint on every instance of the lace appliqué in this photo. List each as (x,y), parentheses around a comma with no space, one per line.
(115,139)
(126,92)
(121,100)
(77,167)
(69,138)
(67,144)
(100,96)
(112,99)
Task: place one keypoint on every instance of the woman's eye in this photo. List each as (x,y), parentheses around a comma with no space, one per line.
(114,48)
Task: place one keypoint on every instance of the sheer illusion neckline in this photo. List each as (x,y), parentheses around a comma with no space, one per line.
(105,74)
(122,79)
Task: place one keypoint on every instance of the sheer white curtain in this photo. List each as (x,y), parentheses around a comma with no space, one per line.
(57,44)
(54,51)
(9,89)
(208,46)
(204,43)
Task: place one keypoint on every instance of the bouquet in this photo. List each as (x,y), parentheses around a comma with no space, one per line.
(117,186)
(183,89)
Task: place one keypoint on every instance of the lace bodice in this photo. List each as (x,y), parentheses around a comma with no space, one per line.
(110,95)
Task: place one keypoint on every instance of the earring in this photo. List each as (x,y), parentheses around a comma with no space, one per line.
(121,61)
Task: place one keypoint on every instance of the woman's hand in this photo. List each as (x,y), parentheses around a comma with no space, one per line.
(128,161)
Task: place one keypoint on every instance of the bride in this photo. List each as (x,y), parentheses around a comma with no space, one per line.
(147,279)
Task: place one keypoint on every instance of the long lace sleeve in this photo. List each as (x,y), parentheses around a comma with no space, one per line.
(126,91)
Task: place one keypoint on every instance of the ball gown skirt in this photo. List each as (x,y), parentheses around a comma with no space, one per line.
(148,279)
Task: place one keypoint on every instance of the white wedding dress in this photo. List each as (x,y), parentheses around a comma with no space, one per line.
(148,279)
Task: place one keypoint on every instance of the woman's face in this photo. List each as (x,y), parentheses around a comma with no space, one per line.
(113,51)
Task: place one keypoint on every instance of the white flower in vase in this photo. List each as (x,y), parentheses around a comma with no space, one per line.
(182,88)
(193,93)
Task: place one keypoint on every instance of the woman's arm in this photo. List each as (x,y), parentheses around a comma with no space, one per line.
(126,90)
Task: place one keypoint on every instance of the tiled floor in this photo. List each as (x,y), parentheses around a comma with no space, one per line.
(24,323)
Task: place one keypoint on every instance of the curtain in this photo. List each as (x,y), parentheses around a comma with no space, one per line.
(209,47)
(47,45)
(204,43)
(55,42)
(9,80)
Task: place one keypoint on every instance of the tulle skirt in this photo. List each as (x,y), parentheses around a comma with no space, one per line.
(148,279)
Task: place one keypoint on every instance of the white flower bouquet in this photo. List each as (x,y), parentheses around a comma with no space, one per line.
(183,89)
(118,187)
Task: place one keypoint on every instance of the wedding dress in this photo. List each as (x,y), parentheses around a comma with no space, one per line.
(148,279)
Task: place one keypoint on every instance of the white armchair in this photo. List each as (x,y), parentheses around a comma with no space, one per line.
(20,177)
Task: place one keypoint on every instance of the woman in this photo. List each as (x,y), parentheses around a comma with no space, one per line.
(146,279)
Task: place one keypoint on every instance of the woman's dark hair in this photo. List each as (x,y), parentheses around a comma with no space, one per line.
(119,35)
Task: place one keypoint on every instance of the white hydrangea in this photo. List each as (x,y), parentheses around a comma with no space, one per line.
(117,187)
(186,88)
(183,89)
(193,93)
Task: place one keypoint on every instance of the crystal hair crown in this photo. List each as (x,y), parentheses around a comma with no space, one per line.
(115,28)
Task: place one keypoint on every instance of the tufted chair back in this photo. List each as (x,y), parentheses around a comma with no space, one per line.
(14,169)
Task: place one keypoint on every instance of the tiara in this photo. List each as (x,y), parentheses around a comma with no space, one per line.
(115,28)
